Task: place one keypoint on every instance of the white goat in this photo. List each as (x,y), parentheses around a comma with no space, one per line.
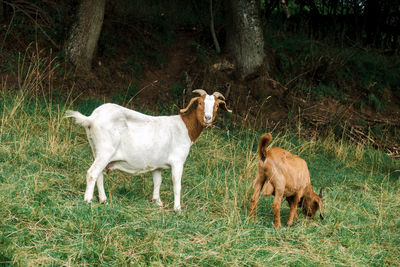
(137,143)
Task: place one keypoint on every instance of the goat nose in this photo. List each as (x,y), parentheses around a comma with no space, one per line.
(207,117)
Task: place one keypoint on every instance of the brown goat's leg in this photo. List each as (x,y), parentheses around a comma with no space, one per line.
(256,195)
(276,206)
(293,202)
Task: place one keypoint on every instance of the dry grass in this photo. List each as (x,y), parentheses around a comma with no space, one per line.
(43,219)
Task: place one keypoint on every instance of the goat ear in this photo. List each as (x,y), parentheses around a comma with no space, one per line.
(194,99)
(222,104)
(320,210)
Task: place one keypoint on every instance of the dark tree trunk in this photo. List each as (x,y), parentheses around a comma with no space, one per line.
(372,20)
(85,33)
(1,10)
(212,29)
(245,38)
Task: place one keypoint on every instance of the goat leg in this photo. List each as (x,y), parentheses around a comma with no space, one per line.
(276,206)
(256,195)
(293,202)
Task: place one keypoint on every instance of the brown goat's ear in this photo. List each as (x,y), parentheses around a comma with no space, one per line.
(320,210)
(194,99)
(222,104)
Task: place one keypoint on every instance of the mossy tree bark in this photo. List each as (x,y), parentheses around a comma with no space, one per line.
(245,40)
(85,33)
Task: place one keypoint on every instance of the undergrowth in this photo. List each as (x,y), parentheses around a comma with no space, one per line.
(347,74)
(44,220)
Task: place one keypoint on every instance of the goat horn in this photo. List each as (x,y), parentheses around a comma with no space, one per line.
(218,95)
(200,92)
(320,192)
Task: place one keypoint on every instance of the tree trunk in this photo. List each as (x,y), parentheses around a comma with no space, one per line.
(372,21)
(85,33)
(212,29)
(1,10)
(245,38)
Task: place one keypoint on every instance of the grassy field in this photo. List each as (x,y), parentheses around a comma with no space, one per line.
(44,220)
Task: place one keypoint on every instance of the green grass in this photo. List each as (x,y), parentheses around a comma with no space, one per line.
(44,220)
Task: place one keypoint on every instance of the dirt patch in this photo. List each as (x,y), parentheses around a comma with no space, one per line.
(158,83)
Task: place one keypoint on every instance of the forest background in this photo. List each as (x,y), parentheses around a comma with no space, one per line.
(322,76)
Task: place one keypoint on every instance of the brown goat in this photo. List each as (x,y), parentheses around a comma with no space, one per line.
(284,175)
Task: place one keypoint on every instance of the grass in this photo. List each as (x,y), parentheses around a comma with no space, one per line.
(44,220)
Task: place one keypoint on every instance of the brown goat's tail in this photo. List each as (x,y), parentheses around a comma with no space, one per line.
(265,139)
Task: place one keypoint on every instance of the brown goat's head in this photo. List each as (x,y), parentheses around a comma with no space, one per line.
(207,106)
(312,204)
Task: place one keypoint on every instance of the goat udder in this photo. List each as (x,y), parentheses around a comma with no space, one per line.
(109,168)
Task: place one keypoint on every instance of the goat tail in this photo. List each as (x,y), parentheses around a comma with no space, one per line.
(265,139)
(79,118)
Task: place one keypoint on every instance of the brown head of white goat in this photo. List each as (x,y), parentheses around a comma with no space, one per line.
(136,143)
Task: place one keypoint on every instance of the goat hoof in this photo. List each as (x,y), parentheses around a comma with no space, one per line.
(158,202)
(177,209)
(103,201)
